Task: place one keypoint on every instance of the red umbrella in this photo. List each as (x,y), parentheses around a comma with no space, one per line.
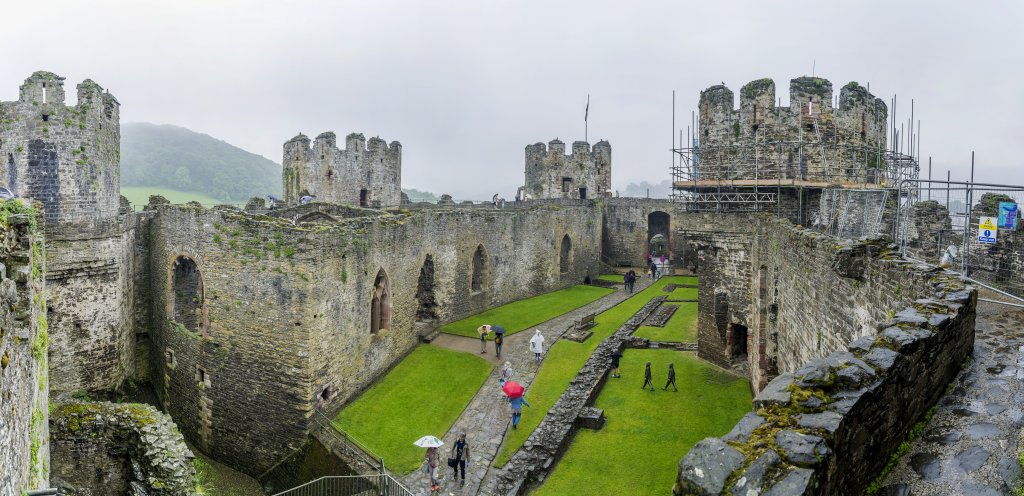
(513,389)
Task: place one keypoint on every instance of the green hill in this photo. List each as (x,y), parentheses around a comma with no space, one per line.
(163,156)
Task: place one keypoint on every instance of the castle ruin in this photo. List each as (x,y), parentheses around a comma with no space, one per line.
(248,323)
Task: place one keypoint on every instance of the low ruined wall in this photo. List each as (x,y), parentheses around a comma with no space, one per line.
(102,449)
(532,463)
(829,426)
(286,306)
(24,383)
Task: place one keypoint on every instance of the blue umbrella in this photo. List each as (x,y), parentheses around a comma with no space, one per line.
(498,329)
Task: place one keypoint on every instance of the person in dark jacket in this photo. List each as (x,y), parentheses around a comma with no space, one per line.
(647,378)
(460,455)
(671,378)
(615,364)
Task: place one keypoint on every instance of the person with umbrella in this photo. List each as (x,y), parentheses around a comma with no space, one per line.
(499,339)
(516,398)
(432,443)
(506,374)
(483,331)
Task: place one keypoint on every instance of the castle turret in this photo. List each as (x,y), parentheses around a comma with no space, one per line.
(717,118)
(366,174)
(585,173)
(757,108)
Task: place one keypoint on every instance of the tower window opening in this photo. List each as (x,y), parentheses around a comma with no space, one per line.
(44,93)
(566,184)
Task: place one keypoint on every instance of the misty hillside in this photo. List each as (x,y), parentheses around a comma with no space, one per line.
(164,156)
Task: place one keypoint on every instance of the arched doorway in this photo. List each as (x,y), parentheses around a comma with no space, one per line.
(478,282)
(658,225)
(380,304)
(426,309)
(565,255)
(187,301)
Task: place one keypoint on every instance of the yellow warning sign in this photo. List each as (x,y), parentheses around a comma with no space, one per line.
(987,230)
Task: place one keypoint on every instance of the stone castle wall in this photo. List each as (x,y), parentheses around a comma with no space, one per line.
(585,173)
(855,133)
(68,158)
(364,173)
(24,381)
(829,424)
(285,317)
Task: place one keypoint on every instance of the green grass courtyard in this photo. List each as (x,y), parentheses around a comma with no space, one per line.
(424,394)
(646,433)
(681,328)
(564,360)
(524,314)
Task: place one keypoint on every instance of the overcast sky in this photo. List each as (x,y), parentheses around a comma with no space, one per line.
(465,86)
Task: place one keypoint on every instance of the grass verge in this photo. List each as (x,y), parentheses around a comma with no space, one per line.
(139,196)
(638,450)
(424,394)
(611,278)
(523,314)
(681,328)
(564,360)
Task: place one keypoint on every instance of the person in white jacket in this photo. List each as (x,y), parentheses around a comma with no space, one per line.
(537,345)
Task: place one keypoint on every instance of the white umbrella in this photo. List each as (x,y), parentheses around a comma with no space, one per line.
(429,442)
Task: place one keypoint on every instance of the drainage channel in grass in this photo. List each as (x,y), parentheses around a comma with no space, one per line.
(647,433)
(564,360)
(523,314)
(423,395)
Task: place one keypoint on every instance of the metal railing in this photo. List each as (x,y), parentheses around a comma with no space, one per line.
(350,485)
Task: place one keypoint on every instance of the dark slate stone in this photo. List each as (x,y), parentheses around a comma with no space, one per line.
(753,478)
(798,482)
(905,340)
(775,393)
(862,344)
(704,470)
(975,489)
(939,320)
(801,449)
(927,465)
(854,375)
(895,490)
(881,357)
(813,403)
(972,458)
(813,373)
(962,296)
(825,421)
(741,432)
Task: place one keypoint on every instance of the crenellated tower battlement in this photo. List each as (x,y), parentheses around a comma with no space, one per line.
(365,173)
(585,172)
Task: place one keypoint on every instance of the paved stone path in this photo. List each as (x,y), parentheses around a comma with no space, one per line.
(487,417)
(970,446)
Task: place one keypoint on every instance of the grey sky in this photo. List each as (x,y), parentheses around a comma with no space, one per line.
(465,86)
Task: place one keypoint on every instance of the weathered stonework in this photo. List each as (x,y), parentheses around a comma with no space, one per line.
(585,173)
(24,381)
(365,173)
(68,158)
(828,426)
(104,449)
(280,302)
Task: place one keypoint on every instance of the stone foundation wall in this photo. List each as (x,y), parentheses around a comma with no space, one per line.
(829,425)
(531,464)
(285,312)
(102,449)
(24,383)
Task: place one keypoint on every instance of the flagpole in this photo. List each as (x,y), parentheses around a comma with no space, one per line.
(586,114)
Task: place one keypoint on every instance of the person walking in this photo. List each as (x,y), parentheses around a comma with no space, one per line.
(517,409)
(506,374)
(499,339)
(483,331)
(537,345)
(671,378)
(433,457)
(647,378)
(460,455)
(615,363)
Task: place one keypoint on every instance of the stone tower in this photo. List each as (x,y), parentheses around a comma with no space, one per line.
(364,174)
(585,173)
(68,158)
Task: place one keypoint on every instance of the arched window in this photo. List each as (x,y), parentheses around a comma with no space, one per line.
(565,255)
(380,305)
(187,301)
(426,309)
(479,266)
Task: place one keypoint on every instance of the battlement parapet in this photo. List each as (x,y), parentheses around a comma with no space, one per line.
(365,173)
(583,173)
